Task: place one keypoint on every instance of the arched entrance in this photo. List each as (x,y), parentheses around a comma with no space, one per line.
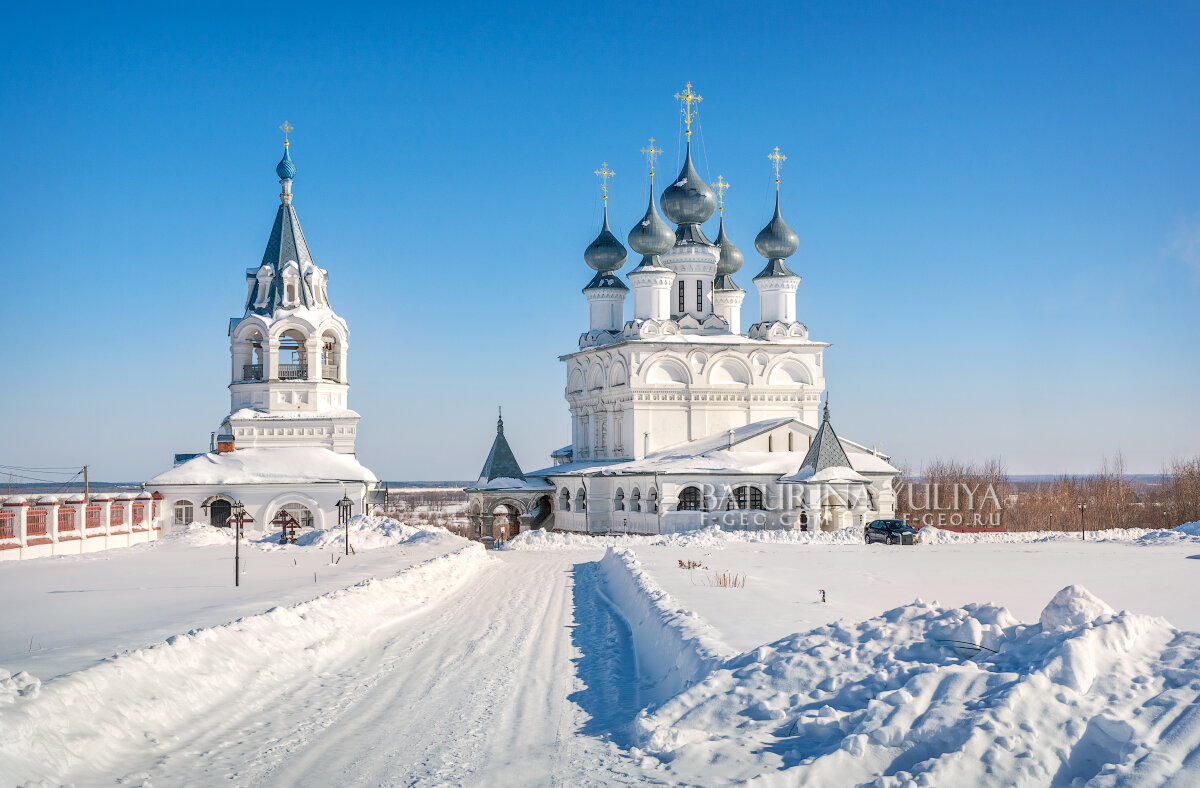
(506,522)
(220,510)
(543,511)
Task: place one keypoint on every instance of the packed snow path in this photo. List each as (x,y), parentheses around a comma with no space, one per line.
(470,691)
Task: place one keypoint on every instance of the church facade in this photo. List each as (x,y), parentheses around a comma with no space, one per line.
(286,451)
(679,419)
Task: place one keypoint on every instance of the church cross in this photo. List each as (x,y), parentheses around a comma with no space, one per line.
(777,160)
(721,186)
(285,128)
(604,173)
(651,153)
(686,99)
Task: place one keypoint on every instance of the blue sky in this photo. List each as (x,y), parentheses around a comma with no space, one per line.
(998,207)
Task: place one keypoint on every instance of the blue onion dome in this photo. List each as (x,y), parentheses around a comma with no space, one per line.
(605,253)
(731,257)
(651,235)
(777,241)
(285,169)
(689,200)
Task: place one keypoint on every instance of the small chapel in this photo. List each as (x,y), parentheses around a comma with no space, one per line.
(680,419)
(284,456)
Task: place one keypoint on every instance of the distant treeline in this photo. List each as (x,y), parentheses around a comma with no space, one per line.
(951,493)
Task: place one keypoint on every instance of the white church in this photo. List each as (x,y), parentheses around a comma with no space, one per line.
(679,420)
(285,452)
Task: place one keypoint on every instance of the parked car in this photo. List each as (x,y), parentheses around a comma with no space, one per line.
(890,532)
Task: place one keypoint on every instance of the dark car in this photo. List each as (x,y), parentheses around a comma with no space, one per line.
(890,532)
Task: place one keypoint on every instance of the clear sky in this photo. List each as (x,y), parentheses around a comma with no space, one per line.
(998,206)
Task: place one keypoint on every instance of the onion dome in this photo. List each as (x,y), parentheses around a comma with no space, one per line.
(285,169)
(689,200)
(775,242)
(605,253)
(651,235)
(731,257)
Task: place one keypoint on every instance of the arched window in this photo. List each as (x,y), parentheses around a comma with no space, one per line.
(619,501)
(653,505)
(635,500)
(581,500)
(184,512)
(690,500)
(293,356)
(564,500)
(749,497)
(300,512)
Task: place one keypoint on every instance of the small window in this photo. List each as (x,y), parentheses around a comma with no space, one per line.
(635,500)
(682,305)
(653,500)
(770,443)
(699,296)
(619,501)
(184,512)
(564,500)
(581,500)
(790,436)
(689,500)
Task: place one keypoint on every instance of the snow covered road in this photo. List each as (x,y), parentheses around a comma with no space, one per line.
(469,691)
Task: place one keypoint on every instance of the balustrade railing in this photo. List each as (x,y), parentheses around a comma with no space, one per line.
(293,371)
(252,372)
(329,371)
(8,523)
(35,522)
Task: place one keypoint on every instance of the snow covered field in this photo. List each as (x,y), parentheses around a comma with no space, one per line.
(562,662)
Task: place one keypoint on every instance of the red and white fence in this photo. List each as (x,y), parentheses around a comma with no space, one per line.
(33,526)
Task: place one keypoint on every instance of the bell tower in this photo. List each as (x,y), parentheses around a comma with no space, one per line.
(289,384)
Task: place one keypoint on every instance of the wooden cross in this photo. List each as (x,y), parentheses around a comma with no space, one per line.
(687,98)
(285,128)
(722,186)
(651,153)
(777,160)
(604,173)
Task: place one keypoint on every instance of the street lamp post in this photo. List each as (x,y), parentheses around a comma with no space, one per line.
(239,514)
(1082,528)
(344,507)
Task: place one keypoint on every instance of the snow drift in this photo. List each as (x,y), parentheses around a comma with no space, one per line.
(928,696)
(93,717)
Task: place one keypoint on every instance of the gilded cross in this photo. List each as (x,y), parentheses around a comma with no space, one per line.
(687,98)
(721,186)
(777,160)
(651,153)
(604,173)
(285,128)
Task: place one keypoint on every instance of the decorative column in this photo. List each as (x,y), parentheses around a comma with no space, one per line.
(271,349)
(79,504)
(18,506)
(50,504)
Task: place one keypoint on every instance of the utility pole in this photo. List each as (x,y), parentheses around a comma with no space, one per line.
(85,485)
(1082,528)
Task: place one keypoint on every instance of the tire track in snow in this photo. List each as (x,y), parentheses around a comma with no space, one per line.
(473,690)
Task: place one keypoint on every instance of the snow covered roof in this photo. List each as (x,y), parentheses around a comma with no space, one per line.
(250,413)
(285,465)
(501,463)
(719,454)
